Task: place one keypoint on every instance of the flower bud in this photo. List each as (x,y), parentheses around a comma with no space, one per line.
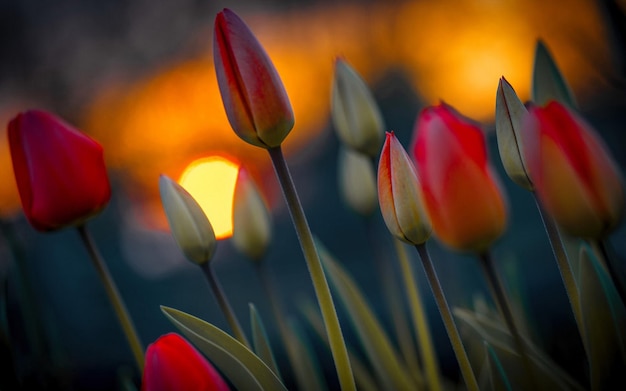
(399,194)
(254,97)
(357,181)
(190,226)
(509,114)
(252,230)
(173,364)
(461,193)
(354,111)
(574,175)
(60,172)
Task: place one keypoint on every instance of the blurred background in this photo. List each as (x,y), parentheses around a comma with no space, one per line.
(138,76)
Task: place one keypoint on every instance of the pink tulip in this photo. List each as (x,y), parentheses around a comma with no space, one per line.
(572,171)
(173,364)
(60,172)
(461,193)
(254,97)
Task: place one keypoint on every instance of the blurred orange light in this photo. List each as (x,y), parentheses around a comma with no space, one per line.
(211,181)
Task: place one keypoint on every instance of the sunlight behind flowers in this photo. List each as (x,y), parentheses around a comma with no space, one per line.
(211,182)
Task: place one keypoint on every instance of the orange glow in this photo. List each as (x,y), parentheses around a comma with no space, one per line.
(211,181)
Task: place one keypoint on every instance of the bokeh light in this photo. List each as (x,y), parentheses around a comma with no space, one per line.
(211,181)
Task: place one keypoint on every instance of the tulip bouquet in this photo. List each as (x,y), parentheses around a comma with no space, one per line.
(444,186)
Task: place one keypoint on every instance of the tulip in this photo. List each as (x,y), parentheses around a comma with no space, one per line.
(60,172)
(461,193)
(354,111)
(254,97)
(574,175)
(190,226)
(399,194)
(252,229)
(357,181)
(173,364)
(509,114)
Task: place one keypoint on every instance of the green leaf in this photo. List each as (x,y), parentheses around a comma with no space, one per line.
(604,321)
(509,114)
(362,376)
(390,369)
(244,369)
(548,82)
(477,329)
(499,378)
(306,365)
(261,343)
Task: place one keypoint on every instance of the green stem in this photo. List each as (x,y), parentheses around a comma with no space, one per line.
(224,304)
(114,296)
(563,263)
(420,322)
(498,294)
(320,284)
(396,308)
(600,248)
(448,321)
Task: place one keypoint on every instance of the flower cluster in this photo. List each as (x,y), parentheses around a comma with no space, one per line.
(445,186)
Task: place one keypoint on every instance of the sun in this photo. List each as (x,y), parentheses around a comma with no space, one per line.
(211,181)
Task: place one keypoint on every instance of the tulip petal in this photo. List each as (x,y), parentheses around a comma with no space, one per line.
(253,94)
(60,172)
(510,112)
(357,181)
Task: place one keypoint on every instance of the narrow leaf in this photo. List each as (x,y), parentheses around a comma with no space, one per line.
(499,378)
(604,323)
(242,367)
(306,365)
(261,343)
(384,358)
(362,376)
(548,82)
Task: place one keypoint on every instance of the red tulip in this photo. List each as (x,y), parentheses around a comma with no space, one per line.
(173,364)
(60,172)
(461,193)
(572,171)
(254,97)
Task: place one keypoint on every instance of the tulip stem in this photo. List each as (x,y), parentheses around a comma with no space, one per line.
(320,284)
(602,253)
(563,263)
(225,306)
(448,320)
(114,296)
(504,308)
(420,323)
(394,301)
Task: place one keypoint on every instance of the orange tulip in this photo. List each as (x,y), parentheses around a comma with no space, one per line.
(399,194)
(173,364)
(60,172)
(461,193)
(572,171)
(254,97)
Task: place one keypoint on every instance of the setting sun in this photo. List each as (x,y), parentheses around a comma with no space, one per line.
(211,181)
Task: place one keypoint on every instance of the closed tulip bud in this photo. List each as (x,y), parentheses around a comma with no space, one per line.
(399,194)
(509,114)
(190,226)
(252,226)
(357,181)
(254,97)
(574,175)
(60,172)
(354,111)
(173,364)
(461,193)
